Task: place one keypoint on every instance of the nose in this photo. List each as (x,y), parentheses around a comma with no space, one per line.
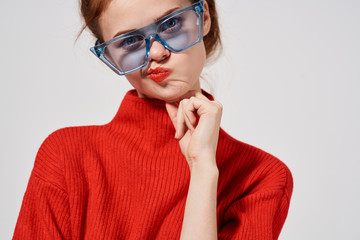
(158,52)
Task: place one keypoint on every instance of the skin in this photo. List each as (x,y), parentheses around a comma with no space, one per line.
(196,119)
(186,66)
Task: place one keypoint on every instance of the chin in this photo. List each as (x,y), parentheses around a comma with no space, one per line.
(175,97)
(170,90)
(169,97)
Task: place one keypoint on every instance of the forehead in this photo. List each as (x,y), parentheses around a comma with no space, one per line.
(123,15)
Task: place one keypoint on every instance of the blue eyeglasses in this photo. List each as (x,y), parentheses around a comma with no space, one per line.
(176,31)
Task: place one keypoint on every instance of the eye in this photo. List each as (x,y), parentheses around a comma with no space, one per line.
(171,22)
(131,42)
(171,25)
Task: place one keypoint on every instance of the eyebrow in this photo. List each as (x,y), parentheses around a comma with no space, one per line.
(156,19)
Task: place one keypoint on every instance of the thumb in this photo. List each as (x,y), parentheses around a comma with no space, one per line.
(172,109)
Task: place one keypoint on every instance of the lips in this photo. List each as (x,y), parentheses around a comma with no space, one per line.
(158,74)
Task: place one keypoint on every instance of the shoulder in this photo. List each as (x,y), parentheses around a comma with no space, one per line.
(253,168)
(72,136)
(58,147)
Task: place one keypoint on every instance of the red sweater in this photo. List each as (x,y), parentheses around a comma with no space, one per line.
(128,179)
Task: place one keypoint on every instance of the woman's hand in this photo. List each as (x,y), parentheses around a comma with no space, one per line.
(197,124)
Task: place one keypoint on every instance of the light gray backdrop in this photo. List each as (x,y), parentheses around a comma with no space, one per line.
(289,81)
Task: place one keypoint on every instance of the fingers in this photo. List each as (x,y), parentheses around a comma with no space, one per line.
(190,118)
(185,114)
(172,109)
(179,124)
(174,114)
(201,96)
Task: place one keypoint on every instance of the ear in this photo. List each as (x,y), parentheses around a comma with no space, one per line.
(207,19)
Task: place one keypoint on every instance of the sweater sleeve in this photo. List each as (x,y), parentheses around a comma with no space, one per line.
(258,215)
(44,212)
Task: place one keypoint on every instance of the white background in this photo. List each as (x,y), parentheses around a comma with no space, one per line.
(289,81)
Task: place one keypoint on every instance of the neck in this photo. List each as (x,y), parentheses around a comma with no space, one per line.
(146,115)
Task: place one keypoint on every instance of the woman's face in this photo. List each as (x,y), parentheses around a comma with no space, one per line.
(185,67)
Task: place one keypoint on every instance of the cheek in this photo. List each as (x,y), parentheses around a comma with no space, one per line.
(194,59)
(134,78)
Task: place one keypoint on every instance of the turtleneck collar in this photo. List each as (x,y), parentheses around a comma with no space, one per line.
(145,114)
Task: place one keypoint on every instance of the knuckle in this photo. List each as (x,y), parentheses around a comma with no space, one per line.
(183,101)
(218,105)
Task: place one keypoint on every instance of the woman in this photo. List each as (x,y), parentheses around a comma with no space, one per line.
(162,168)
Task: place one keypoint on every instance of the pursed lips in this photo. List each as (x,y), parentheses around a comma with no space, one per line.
(158,74)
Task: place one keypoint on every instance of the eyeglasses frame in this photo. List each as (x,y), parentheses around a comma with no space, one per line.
(99,49)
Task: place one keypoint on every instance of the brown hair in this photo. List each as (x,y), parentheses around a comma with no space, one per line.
(92,9)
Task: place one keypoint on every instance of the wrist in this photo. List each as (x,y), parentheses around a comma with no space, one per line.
(206,156)
(205,166)
(206,176)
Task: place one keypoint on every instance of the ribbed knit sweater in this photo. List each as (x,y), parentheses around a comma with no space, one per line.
(128,179)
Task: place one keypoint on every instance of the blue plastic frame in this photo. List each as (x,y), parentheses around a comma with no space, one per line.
(150,33)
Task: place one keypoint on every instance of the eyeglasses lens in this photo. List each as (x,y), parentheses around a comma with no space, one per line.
(179,32)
